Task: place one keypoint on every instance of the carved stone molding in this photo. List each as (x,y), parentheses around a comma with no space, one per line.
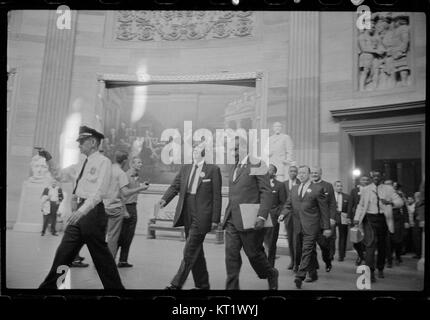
(148,26)
(146,78)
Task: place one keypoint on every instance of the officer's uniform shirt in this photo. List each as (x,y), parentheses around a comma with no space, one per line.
(94,183)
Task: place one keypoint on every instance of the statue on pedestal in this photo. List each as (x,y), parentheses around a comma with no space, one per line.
(280,151)
(39,171)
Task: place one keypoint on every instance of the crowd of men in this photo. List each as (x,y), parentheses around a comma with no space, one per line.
(314,211)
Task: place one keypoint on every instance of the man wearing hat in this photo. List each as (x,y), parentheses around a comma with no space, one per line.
(87,223)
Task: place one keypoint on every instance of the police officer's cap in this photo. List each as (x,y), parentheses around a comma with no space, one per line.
(86,132)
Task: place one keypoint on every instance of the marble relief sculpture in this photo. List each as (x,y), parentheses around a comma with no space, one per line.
(384,52)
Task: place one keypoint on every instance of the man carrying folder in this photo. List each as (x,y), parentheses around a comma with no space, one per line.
(251,192)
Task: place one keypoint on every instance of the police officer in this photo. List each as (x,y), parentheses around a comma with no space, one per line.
(87,223)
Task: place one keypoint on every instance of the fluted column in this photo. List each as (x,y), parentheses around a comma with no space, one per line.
(303,120)
(55,84)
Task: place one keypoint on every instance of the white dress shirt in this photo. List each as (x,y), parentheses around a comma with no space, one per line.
(304,187)
(94,183)
(196,177)
(339,199)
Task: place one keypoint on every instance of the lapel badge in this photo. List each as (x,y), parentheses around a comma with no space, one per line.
(309,191)
(93,170)
(202,174)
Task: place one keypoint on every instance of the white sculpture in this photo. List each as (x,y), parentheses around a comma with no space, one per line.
(39,170)
(280,151)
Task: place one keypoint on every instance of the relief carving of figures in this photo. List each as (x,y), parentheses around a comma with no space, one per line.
(384,52)
(181,25)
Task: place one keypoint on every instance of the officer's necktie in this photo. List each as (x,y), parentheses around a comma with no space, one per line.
(236,169)
(80,175)
(190,185)
(301,189)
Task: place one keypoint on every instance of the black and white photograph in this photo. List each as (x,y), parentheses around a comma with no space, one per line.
(215,150)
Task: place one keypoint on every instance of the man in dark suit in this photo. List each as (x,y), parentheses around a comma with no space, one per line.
(289,221)
(199,211)
(352,206)
(342,220)
(308,201)
(247,185)
(278,200)
(327,245)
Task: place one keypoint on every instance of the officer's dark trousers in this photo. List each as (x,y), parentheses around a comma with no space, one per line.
(127,232)
(194,257)
(89,230)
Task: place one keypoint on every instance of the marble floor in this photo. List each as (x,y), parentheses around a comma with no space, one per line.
(29,257)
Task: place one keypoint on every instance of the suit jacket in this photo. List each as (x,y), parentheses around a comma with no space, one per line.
(345,205)
(330,197)
(208,196)
(354,199)
(310,213)
(287,187)
(278,199)
(247,189)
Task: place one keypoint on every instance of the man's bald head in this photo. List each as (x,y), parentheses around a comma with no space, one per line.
(316,173)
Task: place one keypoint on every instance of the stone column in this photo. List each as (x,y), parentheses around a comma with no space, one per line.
(55,84)
(303,93)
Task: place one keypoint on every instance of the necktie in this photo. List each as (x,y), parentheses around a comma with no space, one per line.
(300,190)
(80,175)
(235,171)
(377,200)
(190,185)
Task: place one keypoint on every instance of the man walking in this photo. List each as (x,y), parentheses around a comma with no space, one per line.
(199,211)
(247,188)
(278,200)
(308,201)
(130,220)
(289,221)
(342,220)
(352,207)
(374,213)
(87,223)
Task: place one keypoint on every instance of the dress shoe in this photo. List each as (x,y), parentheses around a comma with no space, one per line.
(42,234)
(124,265)
(172,287)
(298,283)
(381,274)
(311,278)
(79,258)
(340,259)
(328,267)
(273,279)
(358,261)
(390,264)
(202,288)
(55,234)
(295,269)
(78,264)
(290,267)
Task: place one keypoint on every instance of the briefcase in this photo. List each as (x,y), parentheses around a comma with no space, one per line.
(249,212)
(356,235)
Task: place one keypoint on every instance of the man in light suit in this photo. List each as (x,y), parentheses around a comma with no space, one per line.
(308,201)
(342,220)
(374,217)
(198,210)
(247,187)
(289,221)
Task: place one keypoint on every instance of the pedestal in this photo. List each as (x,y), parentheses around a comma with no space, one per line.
(420,264)
(29,211)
